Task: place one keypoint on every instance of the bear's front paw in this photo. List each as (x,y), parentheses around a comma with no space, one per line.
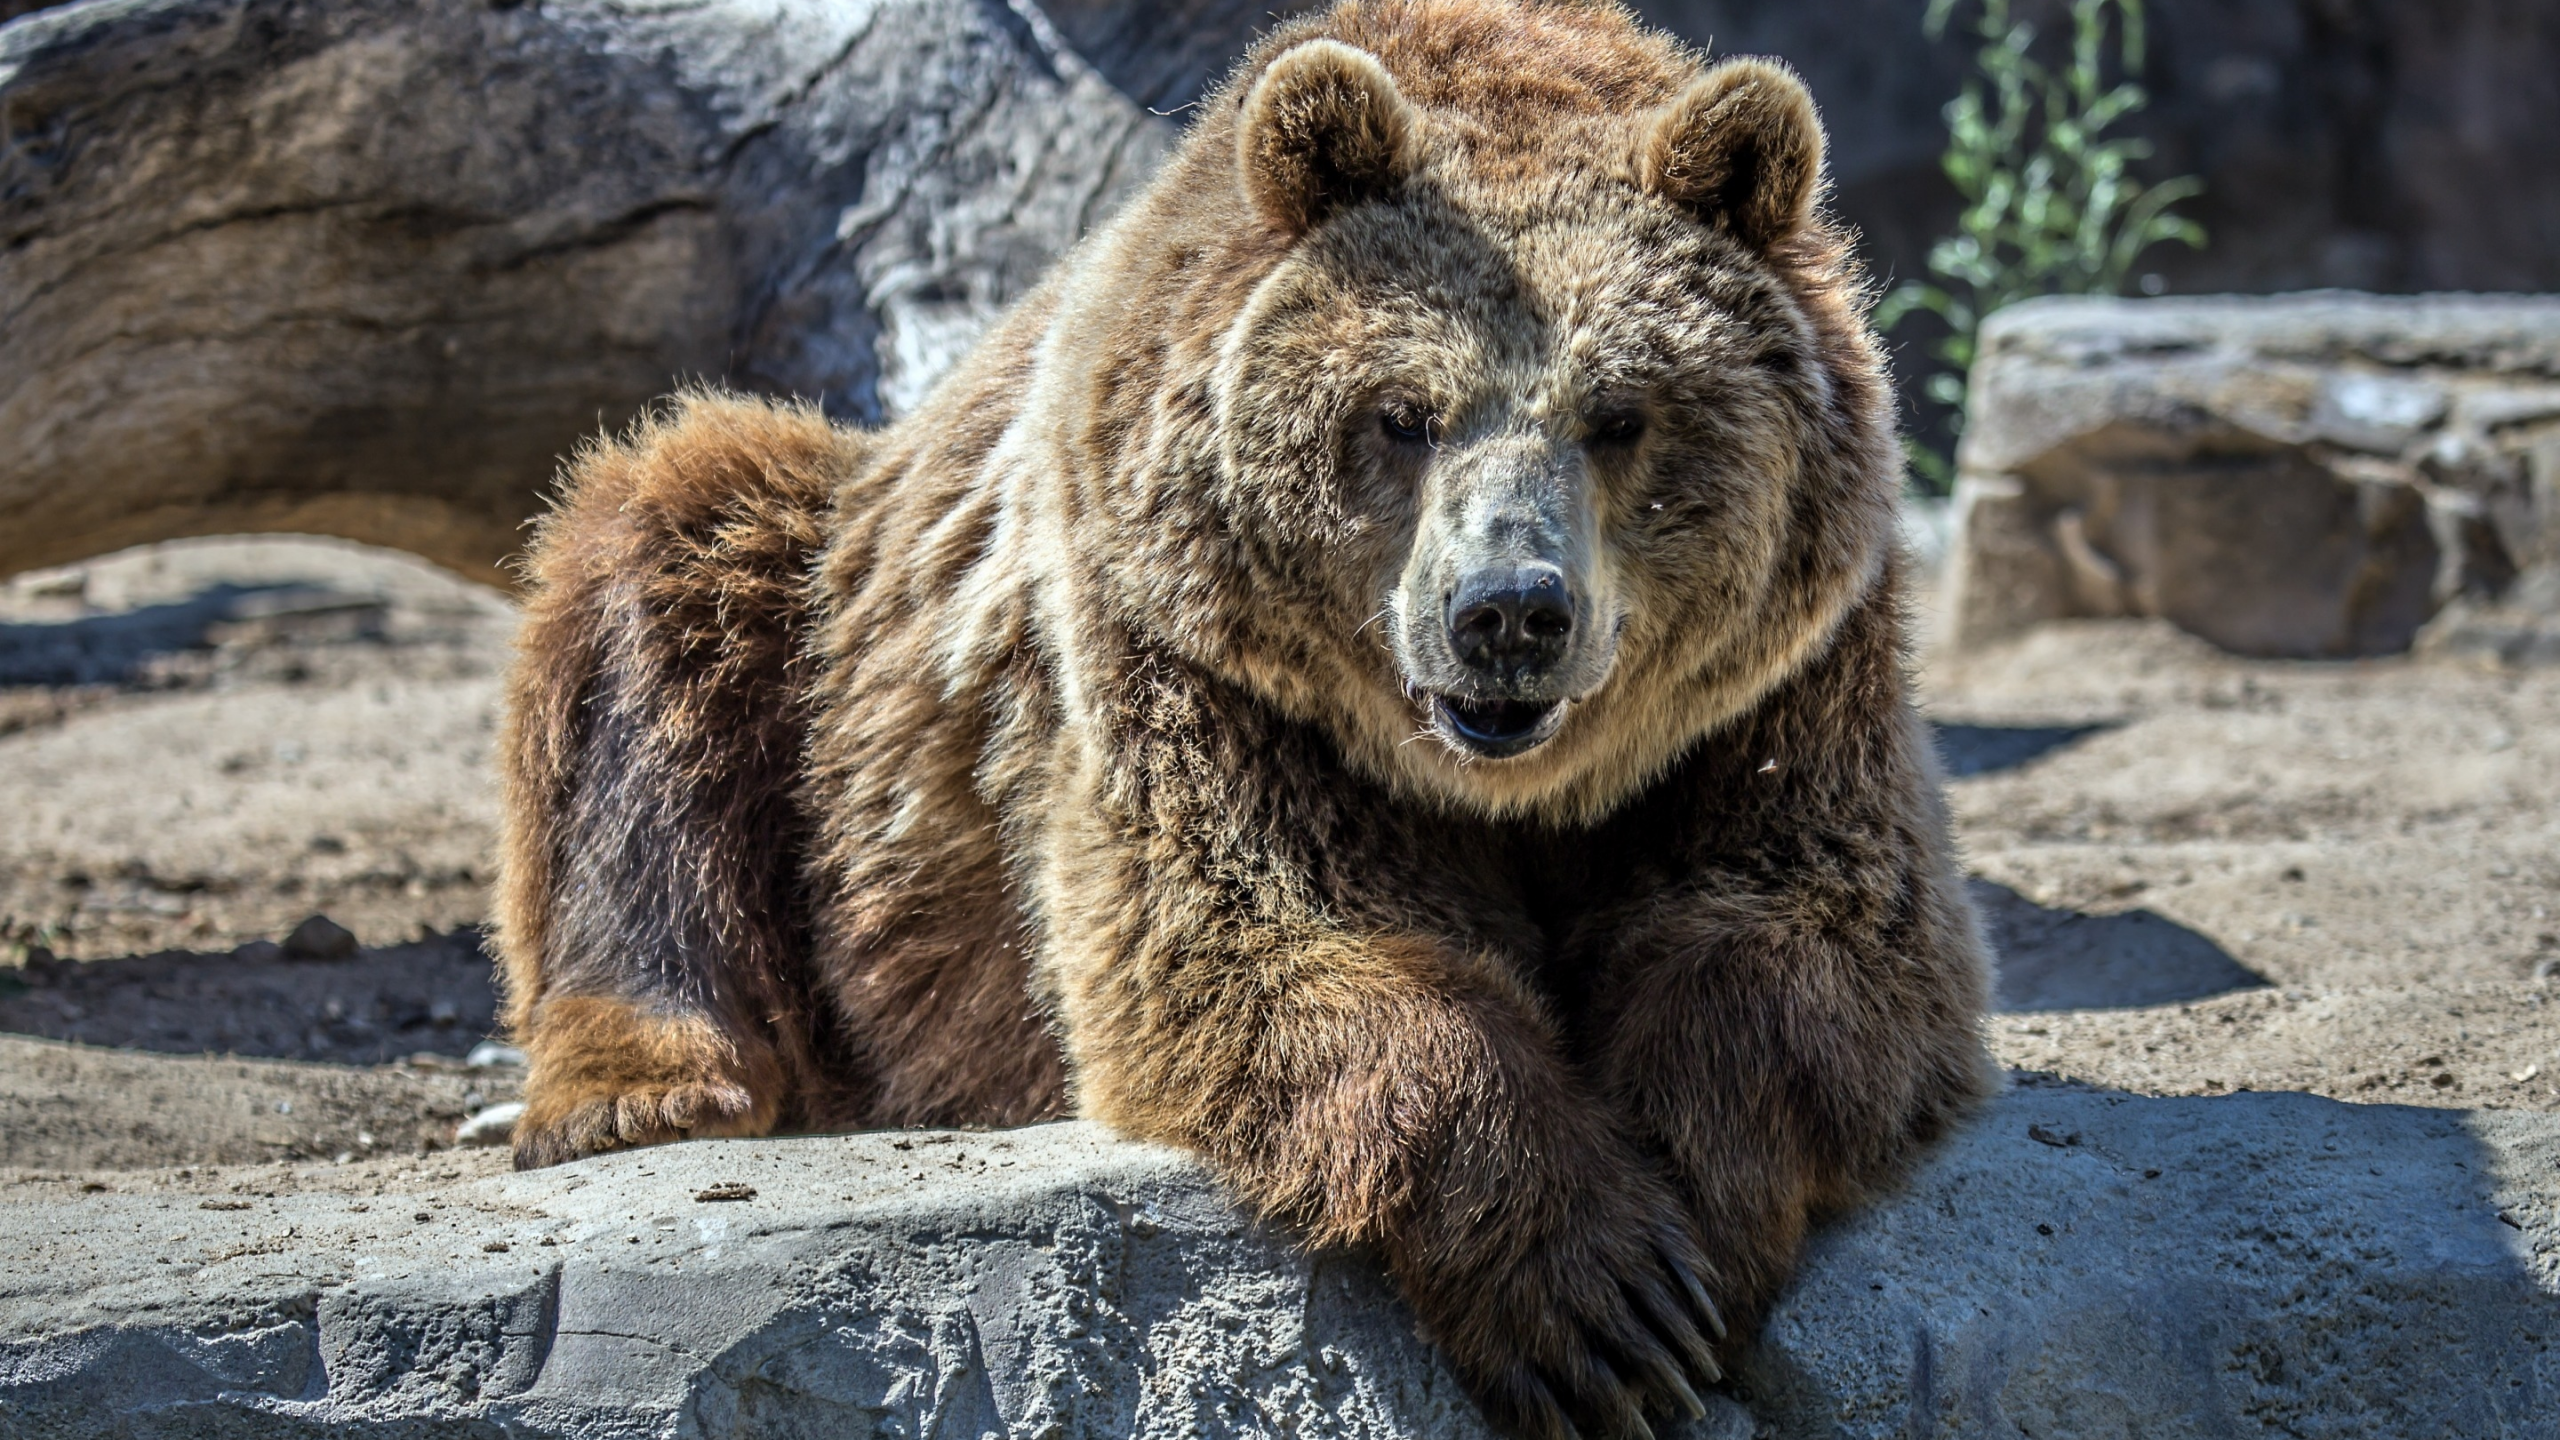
(1591,1324)
(606,1076)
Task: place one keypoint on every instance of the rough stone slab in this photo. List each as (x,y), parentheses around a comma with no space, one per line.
(2076,1264)
(2296,1267)
(2304,475)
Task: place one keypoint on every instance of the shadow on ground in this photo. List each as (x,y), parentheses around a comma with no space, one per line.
(433,996)
(2065,960)
(120,648)
(438,995)
(1970,750)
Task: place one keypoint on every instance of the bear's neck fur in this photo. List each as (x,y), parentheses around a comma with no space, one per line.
(1528,112)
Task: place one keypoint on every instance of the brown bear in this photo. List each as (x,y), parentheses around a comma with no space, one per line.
(1387,671)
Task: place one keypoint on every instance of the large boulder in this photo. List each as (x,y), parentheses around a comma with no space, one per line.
(369,267)
(2073,1264)
(2306,475)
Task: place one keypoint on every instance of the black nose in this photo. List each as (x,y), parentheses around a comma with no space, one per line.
(1510,621)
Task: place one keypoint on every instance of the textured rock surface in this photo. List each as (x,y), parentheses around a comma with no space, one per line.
(367,268)
(2077,1264)
(2311,475)
(2095,1266)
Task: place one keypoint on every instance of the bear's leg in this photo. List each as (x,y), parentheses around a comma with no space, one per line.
(1229,986)
(1789,1018)
(1781,1068)
(922,950)
(650,916)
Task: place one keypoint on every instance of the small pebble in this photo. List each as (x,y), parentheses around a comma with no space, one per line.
(320,938)
(62,585)
(493,1126)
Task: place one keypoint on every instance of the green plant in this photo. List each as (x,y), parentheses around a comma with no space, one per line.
(2049,205)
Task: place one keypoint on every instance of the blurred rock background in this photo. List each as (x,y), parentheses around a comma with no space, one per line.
(368,268)
(2323,475)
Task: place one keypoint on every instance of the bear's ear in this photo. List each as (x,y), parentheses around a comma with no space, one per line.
(1742,148)
(1323,128)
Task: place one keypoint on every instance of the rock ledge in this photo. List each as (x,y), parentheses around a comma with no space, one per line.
(2077,1263)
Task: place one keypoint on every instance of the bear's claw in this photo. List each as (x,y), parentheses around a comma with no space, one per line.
(1625,1334)
(1668,1246)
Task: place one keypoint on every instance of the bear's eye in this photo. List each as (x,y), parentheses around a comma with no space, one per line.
(1405,423)
(1615,427)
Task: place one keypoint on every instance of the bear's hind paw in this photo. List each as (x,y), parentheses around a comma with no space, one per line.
(594,1125)
(608,1075)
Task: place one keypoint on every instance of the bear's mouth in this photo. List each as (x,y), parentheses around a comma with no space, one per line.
(1495,728)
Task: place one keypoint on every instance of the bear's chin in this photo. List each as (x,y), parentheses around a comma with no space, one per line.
(1495,729)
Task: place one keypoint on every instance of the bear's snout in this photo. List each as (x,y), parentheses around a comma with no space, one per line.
(1510,631)
(1510,623)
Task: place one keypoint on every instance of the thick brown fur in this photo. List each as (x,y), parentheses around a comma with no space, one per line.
(653,738)
(1069,744)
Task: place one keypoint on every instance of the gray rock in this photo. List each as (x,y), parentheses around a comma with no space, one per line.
(2094,1265)
(489,1054)
(2074,1264)
(2311,475)
(319,938)
(368,268)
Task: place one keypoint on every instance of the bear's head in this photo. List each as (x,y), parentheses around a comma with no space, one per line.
(1513,412)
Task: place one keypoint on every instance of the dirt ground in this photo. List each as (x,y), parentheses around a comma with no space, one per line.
(2369,846)
(2204,874)
(201,745)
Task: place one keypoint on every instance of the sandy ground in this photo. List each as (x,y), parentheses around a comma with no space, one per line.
(2205,874)
(204,742)
(2372,843)
(201,745)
